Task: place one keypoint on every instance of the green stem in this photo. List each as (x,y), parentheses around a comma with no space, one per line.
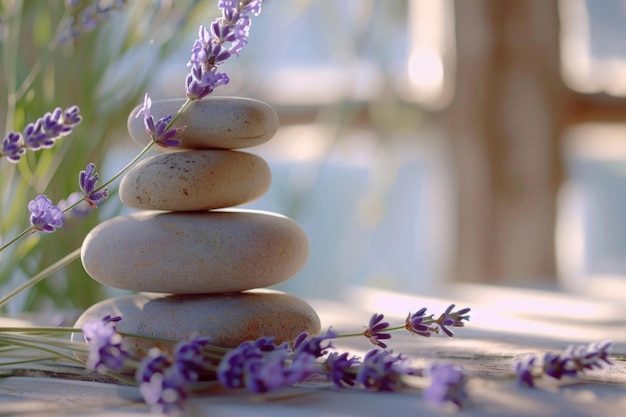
(56,353)
(62,343)
(40,330)
(42,275)
(389,329)
(18,237)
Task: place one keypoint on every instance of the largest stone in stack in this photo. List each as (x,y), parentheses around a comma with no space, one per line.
(201,261)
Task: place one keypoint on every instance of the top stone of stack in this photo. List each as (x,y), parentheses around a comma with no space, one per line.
(212,123)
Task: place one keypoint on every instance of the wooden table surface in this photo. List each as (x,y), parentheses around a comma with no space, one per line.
(505,323)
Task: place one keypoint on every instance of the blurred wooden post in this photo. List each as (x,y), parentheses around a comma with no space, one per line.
(504,125)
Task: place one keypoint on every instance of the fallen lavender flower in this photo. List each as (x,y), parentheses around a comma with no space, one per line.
(448,384)
(376,330)
(106,345)
(574,361)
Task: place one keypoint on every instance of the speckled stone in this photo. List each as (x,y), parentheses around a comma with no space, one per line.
(195,180)
(228,319)
(195,252)
(213,123)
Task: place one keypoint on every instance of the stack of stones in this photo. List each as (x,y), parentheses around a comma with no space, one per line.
(198,265)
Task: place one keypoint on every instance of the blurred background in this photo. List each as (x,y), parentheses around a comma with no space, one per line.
(422,142)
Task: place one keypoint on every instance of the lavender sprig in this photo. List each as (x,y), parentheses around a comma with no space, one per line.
(574,361)
(41,134)
(88,18)
(418,323)
(225,37)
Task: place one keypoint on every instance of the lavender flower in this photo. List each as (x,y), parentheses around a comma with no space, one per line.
(44,132)
(524,371)
(188,357)
(13,147)
(576,359)
(45,217)
(88,18)
(381,370)
(261,366)
(80,207)
(87,180)
(156,130)
(265,373)
(451,318)
(313,345)
(166,391)
(375,330)
(572,362)
(106,350)
(232,369)
(164,380)
(154,362)
(593,356)
(415,323)
(341,369)
(448,384)
(210,50)
(301,367)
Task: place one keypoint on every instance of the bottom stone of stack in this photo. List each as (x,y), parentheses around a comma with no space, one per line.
(228,319)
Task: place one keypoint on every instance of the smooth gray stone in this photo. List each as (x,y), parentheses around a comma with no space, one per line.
(195,252)
(228,319)
(195,180)
(212,123)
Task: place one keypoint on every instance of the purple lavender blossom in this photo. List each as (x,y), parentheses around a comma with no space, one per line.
(87,180)
(524,371)
(592,356)
(46,130)
(301,367)
(156,130)
(576,359)
(266,372)
(262,366)
(106,350)
(210,50)
(448,384)
(45,217)
(13,147)
(88,18)
(231,371)
(375,330)
(554,365)
(341,369)
(156,361)
(314,345)
(573,361)
(451,318)
(188,357)
(166,391)
(415,323)
(381,370)
(81,210)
